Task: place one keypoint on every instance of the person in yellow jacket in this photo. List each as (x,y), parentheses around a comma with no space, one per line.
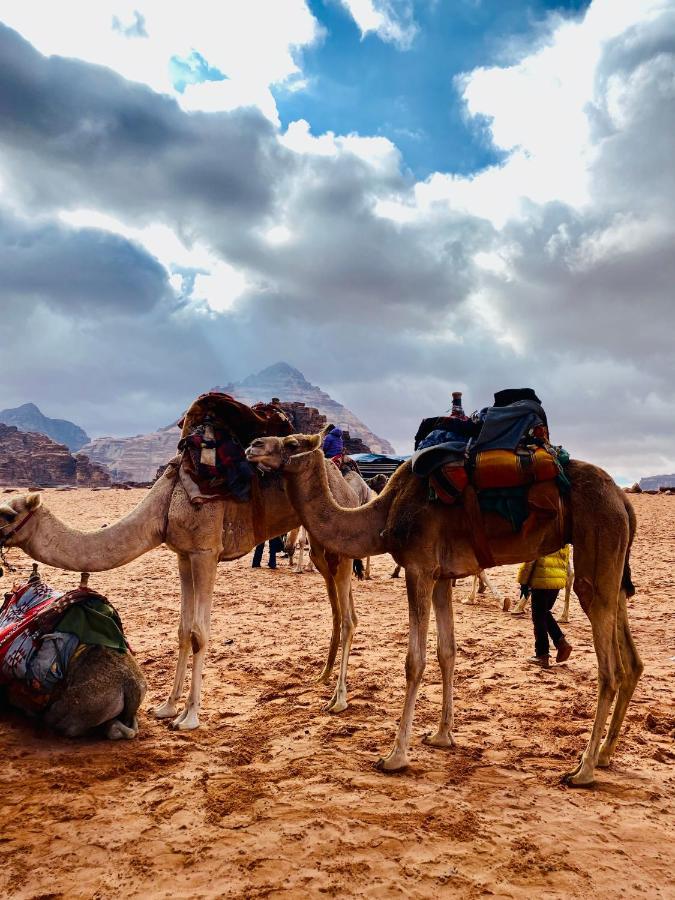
(542,579)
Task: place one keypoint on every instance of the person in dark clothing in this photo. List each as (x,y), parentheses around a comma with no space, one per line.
(275,546)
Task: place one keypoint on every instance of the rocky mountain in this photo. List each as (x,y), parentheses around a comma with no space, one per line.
(655,482)
(289,384)
(29,459)
(134,458)
(29,418)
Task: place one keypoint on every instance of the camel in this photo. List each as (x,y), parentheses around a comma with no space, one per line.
(102,688)
(201,536)
(434,545)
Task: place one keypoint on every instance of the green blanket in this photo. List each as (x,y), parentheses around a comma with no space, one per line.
(94,622)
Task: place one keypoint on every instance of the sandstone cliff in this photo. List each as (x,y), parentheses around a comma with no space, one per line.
(29,418)
(134,458)
(287,383)
(28,459)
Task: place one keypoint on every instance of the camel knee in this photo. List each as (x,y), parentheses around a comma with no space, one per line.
(198,640)
(415,664)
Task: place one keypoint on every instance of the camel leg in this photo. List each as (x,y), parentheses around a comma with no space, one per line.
(486,585)
(299,566)
(204,567)
(396,572)
(565,617)
(343,581)
(419,588)
(367,569)
(169,708)
(632,669)
(601,607)
(446,651)
(474,587)
(331,589)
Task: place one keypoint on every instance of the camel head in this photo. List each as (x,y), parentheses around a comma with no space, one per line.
(14,514)
(273,453)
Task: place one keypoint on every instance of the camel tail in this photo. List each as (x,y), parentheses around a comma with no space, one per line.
(358,568)
(627,579)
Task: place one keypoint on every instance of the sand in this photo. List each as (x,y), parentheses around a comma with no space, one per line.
(275,797)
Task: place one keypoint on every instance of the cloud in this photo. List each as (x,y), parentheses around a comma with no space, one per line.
(242,244)
(253,42)
(391,20)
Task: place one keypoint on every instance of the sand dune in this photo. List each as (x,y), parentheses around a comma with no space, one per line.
(274,797)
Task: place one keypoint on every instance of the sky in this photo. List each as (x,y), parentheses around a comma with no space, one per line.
(401,198)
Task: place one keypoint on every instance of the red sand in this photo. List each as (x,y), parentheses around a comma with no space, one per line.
(275,797)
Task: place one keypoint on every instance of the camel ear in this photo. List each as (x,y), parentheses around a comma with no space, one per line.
(33,501)
(315,440)
(324,431)
(8,512)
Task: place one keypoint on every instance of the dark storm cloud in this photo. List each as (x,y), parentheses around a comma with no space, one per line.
(82,272)
(74,134)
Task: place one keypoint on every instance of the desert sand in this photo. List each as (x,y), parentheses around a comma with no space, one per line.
(275,797)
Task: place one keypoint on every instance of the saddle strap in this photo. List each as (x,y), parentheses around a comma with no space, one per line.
(479,539)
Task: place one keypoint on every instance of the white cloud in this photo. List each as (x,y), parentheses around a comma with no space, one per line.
(391,20)
(250,41)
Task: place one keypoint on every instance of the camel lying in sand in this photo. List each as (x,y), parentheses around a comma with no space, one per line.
(101,688)
(433,544)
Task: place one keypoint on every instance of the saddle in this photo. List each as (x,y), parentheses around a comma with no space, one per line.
(215,431)
(40,631)
(510,468)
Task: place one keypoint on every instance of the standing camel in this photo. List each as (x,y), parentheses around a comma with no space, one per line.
(201,536)
(432,542)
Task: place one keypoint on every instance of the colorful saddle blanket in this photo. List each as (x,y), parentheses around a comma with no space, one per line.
(216,429)
(40,630)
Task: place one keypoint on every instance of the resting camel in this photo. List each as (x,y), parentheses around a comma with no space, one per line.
(201,536)
(433,543)
(102,688)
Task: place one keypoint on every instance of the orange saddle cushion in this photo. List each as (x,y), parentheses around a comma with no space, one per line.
(504,468)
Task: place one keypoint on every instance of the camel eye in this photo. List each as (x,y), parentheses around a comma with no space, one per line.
(293,444)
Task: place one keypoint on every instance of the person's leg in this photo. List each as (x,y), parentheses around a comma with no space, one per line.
(552,626)
(539,612)
(257,555)
(274,549)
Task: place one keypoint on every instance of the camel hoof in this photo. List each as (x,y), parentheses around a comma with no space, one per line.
(603,762)
(323,678)
(117,731)
(444,741)
(392,763)
(185,722)
(564,620)
(581,781)
(336,706)
(165,711)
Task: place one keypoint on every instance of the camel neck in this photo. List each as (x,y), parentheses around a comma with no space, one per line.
(352,532)
(52,542)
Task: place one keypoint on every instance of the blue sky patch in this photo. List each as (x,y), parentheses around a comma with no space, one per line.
(371,87)
(192,69)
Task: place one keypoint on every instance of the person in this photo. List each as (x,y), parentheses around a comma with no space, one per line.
(275,546)
(543,579)
(334,446)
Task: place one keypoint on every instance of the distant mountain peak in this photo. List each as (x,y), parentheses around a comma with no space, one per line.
(280,370)
(29,418)
(290,385)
